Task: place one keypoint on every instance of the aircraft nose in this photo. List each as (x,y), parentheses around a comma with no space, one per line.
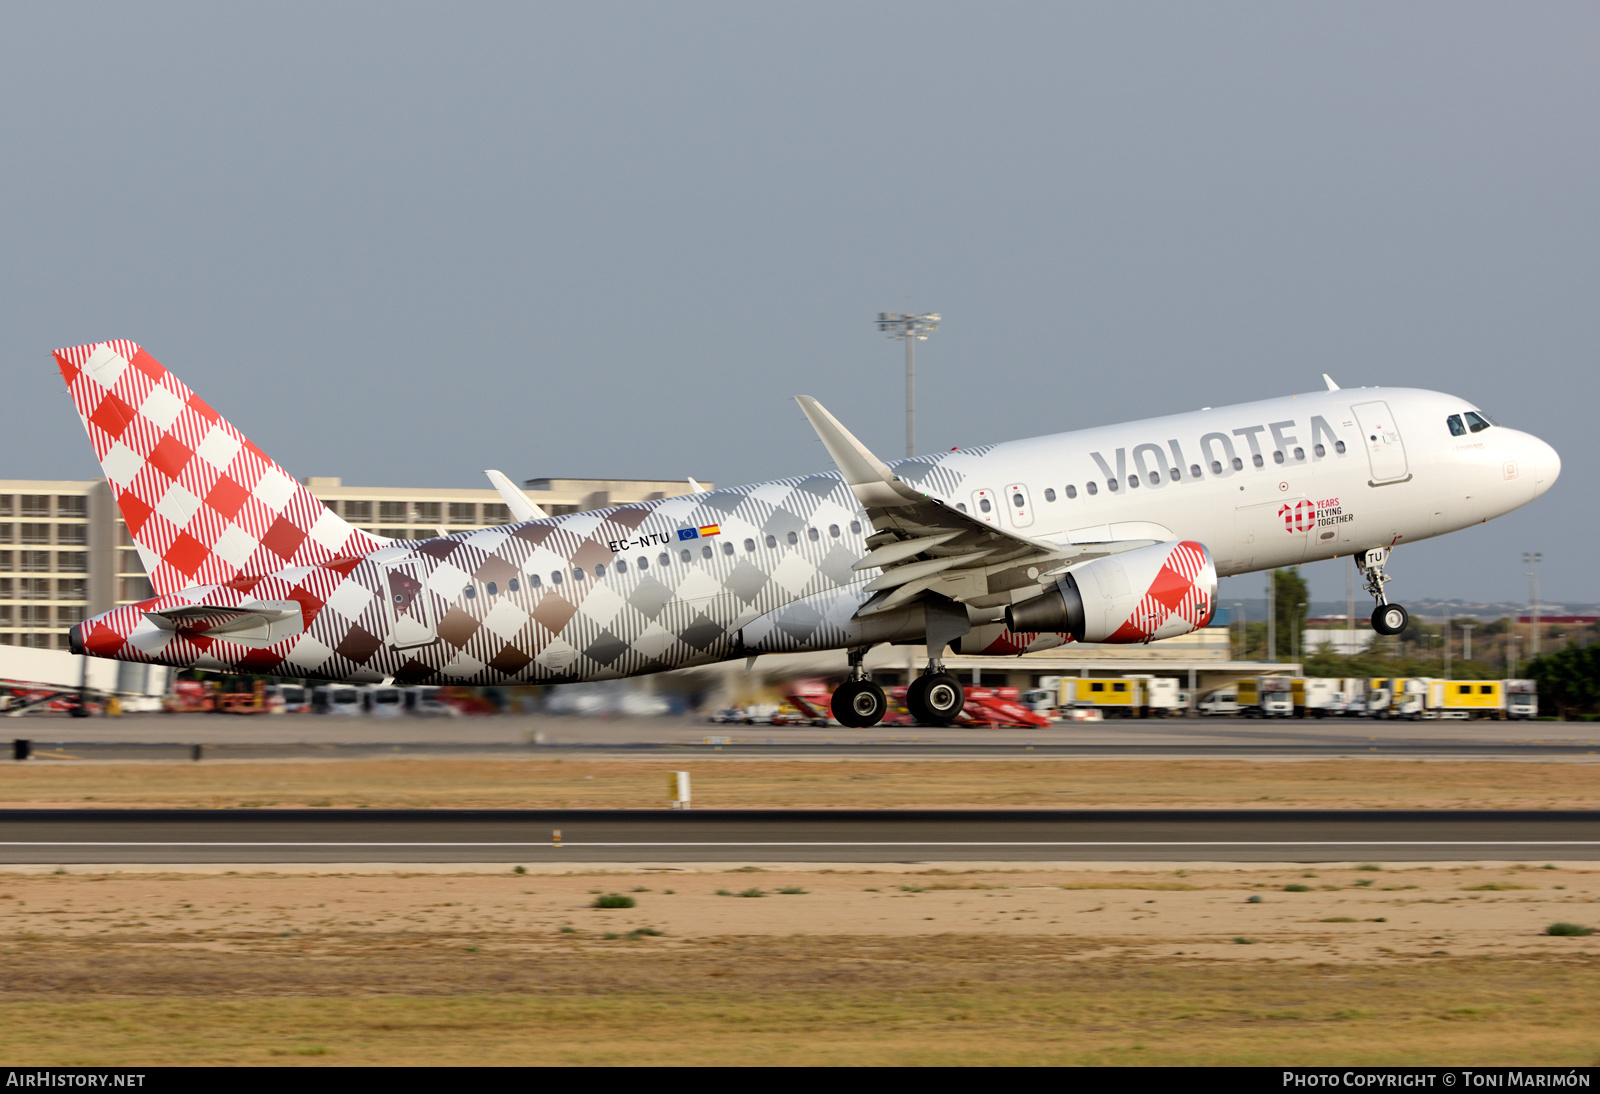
(1546,465)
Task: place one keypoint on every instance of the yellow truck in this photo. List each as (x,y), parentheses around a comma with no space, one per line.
(1119,697)
(1466,699)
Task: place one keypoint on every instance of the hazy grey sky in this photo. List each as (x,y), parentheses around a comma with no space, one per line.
(402,243)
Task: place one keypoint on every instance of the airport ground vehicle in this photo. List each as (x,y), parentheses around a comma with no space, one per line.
(1119,696)
(1316,696)
(1266,697)
(294,698)
(383,702)
(340,699)
(1221,702)
(425,701)
(1466,699)
(1522,699)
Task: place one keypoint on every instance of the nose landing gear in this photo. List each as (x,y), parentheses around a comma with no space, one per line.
(1387,618)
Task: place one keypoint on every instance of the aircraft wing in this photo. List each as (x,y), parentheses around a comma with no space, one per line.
(924,545)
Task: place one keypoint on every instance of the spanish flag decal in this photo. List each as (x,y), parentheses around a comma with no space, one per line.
(710,529)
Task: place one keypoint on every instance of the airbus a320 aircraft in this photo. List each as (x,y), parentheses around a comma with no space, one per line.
(1113,534)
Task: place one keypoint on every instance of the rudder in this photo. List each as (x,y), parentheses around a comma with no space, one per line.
(202,503)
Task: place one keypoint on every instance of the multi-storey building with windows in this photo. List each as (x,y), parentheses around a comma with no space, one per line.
(65,553)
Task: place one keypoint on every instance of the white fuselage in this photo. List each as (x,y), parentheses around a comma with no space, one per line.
(1263,496)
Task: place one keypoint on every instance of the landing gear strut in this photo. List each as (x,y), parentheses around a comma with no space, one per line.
(859,703)
(1387,618)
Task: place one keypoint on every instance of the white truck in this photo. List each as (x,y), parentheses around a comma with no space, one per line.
(1522,699)
(1266,697)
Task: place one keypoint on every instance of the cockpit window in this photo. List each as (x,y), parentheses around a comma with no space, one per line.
(1456,428)
(1477,422)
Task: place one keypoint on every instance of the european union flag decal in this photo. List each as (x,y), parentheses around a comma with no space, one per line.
(688,533)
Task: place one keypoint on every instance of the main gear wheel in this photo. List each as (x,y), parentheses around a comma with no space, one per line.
(859,704)
(935,699)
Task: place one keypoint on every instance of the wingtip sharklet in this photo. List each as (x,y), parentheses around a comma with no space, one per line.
(874,485)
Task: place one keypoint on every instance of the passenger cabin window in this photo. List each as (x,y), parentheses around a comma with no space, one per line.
(1049,493)
(961,505)
(1257,460)
(772,541)
(599,569)
(1238,464)
(493,589)
(1092,487)
(622,566)
(1457,429)
(705,551)
(1133,482)
(983,504)
(666,559)
(833,530)
(1477,422)
(749,545)
(811,534)
(533,581)
(727,548)
(578,574)
(513,585)
(1319,450)
(643,563)
(855,527)
(1277,457)
(792,538)
(470,593)
(1072,491)
(1195,472)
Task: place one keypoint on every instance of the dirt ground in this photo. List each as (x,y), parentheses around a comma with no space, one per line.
(765,784)
(909,965)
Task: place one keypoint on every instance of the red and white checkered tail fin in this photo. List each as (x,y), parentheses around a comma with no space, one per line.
(201,502)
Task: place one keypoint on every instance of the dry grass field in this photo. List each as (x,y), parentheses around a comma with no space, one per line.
(907,965)
(764,784)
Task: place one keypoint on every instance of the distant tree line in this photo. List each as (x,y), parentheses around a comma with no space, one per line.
(1568,680)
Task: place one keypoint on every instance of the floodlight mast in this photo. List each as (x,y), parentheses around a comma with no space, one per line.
(1532,559)
(910,329)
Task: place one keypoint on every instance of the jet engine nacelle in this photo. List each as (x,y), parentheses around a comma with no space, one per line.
(1159,591)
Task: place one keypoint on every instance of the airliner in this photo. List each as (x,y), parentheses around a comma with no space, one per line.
(1116,534)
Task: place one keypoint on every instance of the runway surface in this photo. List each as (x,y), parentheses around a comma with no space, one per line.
(553,836)
(170,737)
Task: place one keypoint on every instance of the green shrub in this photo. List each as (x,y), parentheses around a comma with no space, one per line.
(613,900)
(792,890)
(751,892)
(1569,930)
(1253,898)
(1297,888)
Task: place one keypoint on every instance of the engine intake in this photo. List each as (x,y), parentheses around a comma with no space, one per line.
(1160,591)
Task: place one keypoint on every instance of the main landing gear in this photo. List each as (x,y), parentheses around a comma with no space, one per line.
(1387,618)
(935,698)
(858,702)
